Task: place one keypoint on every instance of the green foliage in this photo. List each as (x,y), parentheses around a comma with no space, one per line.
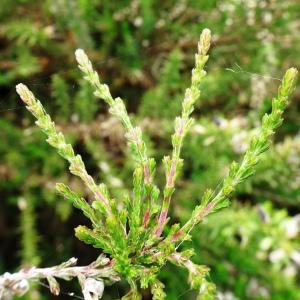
(167,91)
(29,236)
(144,51)
(248,239)
(131,231)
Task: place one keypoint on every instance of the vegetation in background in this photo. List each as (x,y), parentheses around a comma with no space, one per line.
(144,51)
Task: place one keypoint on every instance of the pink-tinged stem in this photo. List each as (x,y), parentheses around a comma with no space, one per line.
(184,230)
(170,181)
(177,235)
(101,197)
(188,226)
(166,201)
(161,221)
(146,218)
(90,183)
(146,174)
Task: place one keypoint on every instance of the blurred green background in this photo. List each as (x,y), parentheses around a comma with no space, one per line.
(145,51)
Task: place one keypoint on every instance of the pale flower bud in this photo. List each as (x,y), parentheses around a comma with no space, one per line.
(82,58)
(204,43)
(93,289)
(21,287)
(25,94)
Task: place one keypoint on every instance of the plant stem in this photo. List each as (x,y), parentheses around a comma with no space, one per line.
(18,283)
(182,125)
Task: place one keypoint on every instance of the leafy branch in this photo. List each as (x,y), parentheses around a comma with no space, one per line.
(182,125)
(130,232)
(240,172)
(90,278)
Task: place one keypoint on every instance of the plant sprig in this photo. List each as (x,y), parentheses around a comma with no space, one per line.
(183,123)
(57,140)
(238,173)
(91,278)
(132,234)
(145,201)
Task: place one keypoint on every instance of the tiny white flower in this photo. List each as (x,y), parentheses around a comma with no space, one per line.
(93,289)
(295,256)
(21,287)
(138,21)
(292,227)
(290,271)
(199,129)
(277,255)
(209,140)
(266,243)
(104,166)
(116,182)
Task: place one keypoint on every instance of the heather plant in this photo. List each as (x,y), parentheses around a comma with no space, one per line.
(276,179)
(260,244)
(135,231)
(144,50)
(252,251)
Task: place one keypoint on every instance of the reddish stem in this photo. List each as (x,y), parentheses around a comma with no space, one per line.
(146,217)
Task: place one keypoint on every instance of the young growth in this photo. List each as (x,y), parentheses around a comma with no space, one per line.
(136,235)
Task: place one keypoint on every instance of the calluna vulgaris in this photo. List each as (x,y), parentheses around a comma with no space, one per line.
(133,231)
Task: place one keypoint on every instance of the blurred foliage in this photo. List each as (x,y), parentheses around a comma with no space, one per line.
(144,51)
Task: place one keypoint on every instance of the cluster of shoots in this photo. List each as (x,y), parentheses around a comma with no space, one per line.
(90,278)
(135,232)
